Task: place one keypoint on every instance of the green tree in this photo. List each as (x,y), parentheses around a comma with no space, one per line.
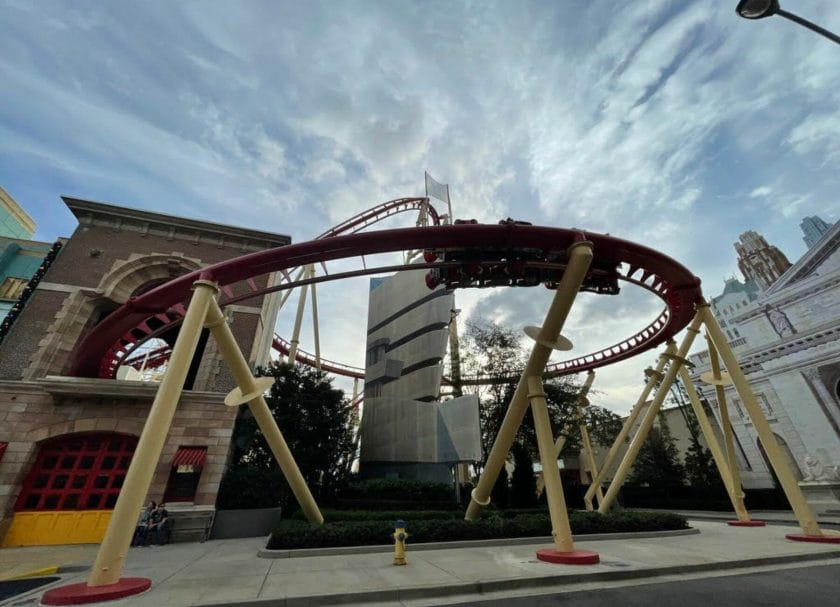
(495,352)
(315,420)
(699,464)
(523,484)
(658,464)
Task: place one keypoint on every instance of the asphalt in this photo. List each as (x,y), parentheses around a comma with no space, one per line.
(229,572)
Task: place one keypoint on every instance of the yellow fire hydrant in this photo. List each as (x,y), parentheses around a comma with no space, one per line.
(399,536)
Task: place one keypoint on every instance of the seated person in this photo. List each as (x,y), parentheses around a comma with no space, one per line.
(159,526)
(142,528)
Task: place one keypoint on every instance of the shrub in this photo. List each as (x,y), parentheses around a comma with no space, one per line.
(397,489)
(251,488)
(300,534)
(383,515)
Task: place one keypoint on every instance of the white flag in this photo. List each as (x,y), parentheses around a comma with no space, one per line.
(437,190)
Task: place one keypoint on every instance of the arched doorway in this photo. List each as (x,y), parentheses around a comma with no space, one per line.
(71,489)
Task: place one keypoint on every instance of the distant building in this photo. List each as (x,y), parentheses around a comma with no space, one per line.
(787,339)
(405,431)
(20,256)
(14,221)
(813,229)
(736,296)
(760,261)
(19,260)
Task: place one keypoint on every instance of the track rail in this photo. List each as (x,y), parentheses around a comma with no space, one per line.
(669,280)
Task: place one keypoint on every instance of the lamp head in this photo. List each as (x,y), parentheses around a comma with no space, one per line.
(757,9)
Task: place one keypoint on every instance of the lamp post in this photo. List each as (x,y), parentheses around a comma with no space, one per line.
(759,9)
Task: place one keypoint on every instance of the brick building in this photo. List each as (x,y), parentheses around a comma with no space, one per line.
(65,442)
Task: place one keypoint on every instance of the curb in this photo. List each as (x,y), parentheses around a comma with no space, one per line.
(481,588)
(266,553)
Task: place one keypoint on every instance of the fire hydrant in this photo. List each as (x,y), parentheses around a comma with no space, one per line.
(399,536)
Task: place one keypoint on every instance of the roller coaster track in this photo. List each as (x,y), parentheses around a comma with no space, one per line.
(120,353)
(678,288)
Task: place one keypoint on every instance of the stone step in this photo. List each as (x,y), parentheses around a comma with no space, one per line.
(187,535)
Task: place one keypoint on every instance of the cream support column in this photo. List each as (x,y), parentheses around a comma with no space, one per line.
(288,292)
(722,464)
(315,328)
(728,438)
(251,391)
(587,450)
(628,425)
(650,415)
(111,556)
(803,512)
(560,530)
(298,319)
(580,256)
(584,390)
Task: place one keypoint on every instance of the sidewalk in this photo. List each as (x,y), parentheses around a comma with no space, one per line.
(227,572)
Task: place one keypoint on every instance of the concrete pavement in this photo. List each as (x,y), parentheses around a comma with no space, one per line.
(226,572)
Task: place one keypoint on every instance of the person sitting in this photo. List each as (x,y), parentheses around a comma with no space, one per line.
(159,526)
(142,528)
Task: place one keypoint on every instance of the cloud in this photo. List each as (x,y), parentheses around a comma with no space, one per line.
(673,124)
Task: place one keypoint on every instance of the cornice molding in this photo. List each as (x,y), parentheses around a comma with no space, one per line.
(119,218)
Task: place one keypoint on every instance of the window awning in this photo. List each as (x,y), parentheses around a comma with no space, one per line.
(190,456)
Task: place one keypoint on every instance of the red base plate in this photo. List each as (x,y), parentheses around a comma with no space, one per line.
(746,523)
(571,557)
(81,594)
(817,539)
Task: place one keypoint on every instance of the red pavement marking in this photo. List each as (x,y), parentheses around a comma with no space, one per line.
(80,594)
(816,539)
(571,557)
(746,523)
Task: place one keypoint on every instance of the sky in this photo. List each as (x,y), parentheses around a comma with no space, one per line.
(675,124)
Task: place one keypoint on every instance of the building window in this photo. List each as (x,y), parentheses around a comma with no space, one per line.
(12,287)
(185,473)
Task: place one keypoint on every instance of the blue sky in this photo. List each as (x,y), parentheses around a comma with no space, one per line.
(676,124)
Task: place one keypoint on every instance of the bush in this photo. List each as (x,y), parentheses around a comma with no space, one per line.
(251,488)
(397,489)
(300,534)
(383,515)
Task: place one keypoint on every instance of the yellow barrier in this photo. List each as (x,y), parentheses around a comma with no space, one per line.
(57,527)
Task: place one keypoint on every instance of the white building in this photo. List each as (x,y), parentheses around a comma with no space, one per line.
(787,339)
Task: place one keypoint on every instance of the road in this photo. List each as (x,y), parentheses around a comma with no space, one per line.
(817,586)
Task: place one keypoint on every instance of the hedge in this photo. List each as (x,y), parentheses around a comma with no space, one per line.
(333,516)
(397,489)
(300,534)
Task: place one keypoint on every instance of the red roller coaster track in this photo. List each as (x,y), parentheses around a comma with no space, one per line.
(680,290)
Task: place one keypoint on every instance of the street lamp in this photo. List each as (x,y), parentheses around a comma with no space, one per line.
(759,9)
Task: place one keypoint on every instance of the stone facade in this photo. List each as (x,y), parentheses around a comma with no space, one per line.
(788,343)
(115,253)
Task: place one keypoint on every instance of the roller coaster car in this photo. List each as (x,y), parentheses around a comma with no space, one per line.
(504,268)
(602,279)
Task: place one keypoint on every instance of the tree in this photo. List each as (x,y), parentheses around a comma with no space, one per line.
(315,420)
(523,484)
(495,352)
(699,464)
(658,464)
